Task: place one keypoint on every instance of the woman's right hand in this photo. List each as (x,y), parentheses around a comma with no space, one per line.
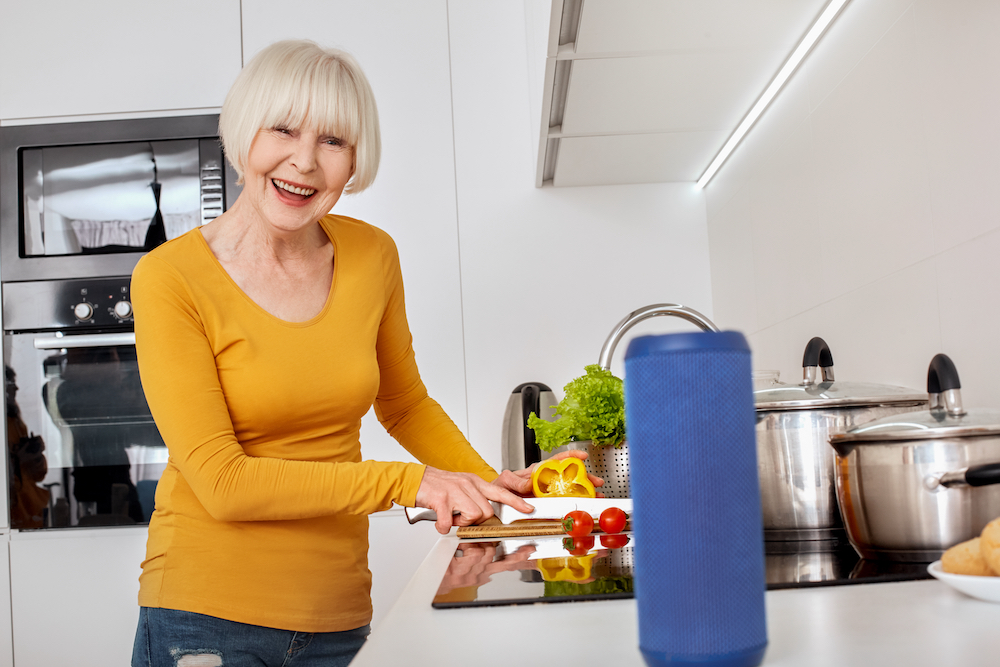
(462,499)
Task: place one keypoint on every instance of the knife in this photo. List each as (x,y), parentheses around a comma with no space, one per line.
(545,508)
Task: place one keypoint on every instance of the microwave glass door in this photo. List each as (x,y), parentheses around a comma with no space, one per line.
(102,198)
(83,447)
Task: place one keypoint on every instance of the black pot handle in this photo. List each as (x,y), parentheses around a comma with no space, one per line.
(817,355)
(981,475)
(943,386)
(942,375)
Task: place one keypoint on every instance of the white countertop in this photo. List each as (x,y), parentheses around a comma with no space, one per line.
(908,623)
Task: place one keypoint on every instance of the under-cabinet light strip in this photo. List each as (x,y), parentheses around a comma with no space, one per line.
(810,39)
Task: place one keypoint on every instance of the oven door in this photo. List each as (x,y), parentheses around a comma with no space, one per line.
(83,447)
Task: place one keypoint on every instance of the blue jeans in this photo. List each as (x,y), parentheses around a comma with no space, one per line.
(171,638)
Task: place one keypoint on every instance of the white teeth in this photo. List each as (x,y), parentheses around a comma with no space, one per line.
(292,188)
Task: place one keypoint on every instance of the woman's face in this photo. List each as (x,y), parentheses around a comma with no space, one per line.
(293,177)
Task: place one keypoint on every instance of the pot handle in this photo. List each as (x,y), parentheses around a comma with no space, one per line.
(817,359)
(943,386)
(981,475)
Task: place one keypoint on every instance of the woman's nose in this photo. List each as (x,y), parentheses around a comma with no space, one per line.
(303,155)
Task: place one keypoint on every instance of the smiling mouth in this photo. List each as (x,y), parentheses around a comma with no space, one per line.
(288,187)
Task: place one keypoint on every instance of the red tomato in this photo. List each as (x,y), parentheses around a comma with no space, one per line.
(578,546)
(613,520)
(578,523)
(614,541)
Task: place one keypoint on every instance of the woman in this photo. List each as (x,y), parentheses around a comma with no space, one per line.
(263,338)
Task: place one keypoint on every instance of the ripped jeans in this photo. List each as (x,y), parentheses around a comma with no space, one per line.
(171,638)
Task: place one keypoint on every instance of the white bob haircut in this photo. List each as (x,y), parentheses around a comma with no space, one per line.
(296,84)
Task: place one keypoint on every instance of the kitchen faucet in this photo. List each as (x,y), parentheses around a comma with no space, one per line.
(636,316)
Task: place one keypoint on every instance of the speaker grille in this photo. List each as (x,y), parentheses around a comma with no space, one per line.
(699,565)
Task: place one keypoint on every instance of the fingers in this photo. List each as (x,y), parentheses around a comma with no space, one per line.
(501,495)
(571,453)
(458,499)
(516,481)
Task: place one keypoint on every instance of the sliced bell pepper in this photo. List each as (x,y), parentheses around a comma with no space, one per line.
(562,477)
(569,568)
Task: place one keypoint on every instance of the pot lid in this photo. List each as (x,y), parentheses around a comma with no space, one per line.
(944,418)
(780,396)
(819,390)
(924,425)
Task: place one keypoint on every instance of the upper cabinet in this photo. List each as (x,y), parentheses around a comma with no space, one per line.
(646,91)
(69,58)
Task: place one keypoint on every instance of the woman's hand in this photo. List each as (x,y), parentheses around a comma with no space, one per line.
(519,481)
(463,499)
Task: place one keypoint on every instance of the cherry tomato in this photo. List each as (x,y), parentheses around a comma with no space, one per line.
(614,541)
(613,520)
(578,523)
(578,546)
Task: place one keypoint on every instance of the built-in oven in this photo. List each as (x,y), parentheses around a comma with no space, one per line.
(83,447)
(80,203)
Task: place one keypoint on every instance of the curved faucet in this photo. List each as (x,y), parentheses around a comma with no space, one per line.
(636,316)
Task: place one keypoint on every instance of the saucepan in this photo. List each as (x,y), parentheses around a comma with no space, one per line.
(912,485)
(795,463)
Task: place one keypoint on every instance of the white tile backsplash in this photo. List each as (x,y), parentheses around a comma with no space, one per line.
(883,203)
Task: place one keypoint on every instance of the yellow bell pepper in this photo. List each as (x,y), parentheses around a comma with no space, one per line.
(569,568)
(562,477)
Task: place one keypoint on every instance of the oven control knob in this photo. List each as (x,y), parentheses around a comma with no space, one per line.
(123,309)
(83,311)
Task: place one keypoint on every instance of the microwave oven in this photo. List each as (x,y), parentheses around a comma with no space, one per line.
(88,199)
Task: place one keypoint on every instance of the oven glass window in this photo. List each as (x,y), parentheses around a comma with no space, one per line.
(84,450)
(105,198)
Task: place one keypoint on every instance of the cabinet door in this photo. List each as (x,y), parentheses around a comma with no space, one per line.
(66,58)
(395,551)
(74,596)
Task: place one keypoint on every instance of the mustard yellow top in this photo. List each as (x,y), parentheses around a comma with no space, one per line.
(261,513)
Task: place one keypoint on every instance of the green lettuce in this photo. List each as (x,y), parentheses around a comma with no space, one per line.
(602,586)
(593,408)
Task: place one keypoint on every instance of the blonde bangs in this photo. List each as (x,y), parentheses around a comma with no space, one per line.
(297,84)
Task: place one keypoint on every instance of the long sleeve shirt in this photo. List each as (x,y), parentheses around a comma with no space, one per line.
(261,513)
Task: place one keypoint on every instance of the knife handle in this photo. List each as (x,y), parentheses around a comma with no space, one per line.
(415,514)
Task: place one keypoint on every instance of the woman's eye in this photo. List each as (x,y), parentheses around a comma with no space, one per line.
(333,141)
(282,130)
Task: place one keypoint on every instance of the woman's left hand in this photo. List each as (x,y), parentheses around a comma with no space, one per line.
(519,481)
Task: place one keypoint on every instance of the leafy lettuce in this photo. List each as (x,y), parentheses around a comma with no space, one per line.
(593,408)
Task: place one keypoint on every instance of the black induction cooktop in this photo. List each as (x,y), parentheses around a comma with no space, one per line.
(534,570)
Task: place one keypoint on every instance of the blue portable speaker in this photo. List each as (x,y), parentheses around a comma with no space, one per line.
(699,551)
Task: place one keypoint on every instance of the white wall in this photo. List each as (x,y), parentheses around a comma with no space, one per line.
(547,273)
(864,208)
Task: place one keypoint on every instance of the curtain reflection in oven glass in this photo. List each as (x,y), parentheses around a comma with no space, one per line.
(29,499)
(104,452)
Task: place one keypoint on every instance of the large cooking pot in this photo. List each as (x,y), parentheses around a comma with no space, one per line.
(912,486)
(794,459)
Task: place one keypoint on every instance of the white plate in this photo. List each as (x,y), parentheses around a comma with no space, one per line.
(983,588)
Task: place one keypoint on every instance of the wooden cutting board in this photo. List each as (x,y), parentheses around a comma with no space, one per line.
(493,527)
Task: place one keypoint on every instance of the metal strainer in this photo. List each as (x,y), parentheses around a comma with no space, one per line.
(611,465)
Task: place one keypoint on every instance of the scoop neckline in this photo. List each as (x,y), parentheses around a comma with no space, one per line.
(298,325)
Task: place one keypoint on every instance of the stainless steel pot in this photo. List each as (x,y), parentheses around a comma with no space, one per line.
(910,487)
(794,460)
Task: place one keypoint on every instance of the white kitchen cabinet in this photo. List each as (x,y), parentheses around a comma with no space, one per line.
(6,636)
(396,550)
(60,58)
(74,596)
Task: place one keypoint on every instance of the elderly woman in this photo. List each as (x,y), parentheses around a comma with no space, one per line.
(263,338)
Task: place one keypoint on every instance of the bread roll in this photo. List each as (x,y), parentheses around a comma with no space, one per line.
(989,545)
(966,558)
